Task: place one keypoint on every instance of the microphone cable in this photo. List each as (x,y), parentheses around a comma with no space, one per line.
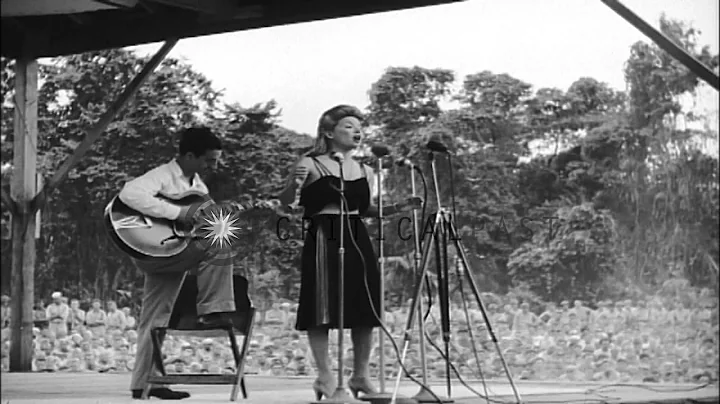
(452,185)
(374,309)
(430,298)
(428,312)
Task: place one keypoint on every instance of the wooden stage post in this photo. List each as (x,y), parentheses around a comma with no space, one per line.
(26,200)
(23,191)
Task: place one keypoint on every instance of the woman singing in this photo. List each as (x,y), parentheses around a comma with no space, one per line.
(316,178)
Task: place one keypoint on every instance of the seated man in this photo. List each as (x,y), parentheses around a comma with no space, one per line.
(199,150)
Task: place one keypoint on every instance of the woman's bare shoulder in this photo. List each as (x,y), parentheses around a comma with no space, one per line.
(304,161)
(368,170)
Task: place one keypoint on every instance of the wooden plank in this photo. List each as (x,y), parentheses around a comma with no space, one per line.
(94,388)
(23,188)
(189,378)
(94,133)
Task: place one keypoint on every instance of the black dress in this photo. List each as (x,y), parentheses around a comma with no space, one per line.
(318,305)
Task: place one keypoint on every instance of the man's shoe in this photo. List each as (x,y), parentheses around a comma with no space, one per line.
(214,320)
(162,393)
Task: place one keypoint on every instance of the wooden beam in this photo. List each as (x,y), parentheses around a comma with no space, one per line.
(22,191)
(665,44)
(218,7)
(119,3)
(94,133)
(79,19)
(149,7)
(245,13)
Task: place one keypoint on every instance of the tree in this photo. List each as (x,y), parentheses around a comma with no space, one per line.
(404,99)
(74,254)
(656,79)
(570,259)
(660,169)
(496,101)
(257,154)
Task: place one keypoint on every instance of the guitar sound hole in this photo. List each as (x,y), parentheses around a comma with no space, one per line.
(182,228)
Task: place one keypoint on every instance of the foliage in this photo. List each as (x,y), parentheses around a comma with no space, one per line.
(570,259)
(407,97)
(656,79)
(74,254)
(257,153)
(635,204)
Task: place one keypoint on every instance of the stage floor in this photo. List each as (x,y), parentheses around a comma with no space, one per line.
(94,388)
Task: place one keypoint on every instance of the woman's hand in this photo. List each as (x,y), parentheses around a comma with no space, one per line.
(300,175)
(413,202)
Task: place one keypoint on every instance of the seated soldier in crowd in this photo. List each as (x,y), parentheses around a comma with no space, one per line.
(538,349)
(57,314)
(76,319)
(115,319)
(96,319)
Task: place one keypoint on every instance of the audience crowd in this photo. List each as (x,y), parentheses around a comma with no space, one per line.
(663,341)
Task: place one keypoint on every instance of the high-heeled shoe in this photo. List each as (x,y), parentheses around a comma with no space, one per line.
(360,385)
(323,388)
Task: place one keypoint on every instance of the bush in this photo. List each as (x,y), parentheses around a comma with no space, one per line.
(569,259)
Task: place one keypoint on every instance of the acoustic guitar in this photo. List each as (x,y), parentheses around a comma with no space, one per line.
(144,237)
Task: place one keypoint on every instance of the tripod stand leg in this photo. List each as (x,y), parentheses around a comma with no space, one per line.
(469,321)
(441,258)
(425,395)
(476,292)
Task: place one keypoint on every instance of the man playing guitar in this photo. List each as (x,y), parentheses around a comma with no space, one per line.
(199,151)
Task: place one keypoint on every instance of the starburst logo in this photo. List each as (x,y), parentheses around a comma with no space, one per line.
(219,228)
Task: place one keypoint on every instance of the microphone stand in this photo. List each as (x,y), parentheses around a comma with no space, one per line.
(381,397)
(421,268)
(381,252)
(341,395)
(423,395)
(442,274)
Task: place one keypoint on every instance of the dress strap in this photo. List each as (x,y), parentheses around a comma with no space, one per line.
(322,168)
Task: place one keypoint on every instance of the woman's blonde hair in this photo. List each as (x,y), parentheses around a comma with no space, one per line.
(328,121)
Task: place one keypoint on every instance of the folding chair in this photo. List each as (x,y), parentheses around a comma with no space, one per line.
(184,318)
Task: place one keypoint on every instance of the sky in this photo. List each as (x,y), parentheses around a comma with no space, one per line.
(310,67)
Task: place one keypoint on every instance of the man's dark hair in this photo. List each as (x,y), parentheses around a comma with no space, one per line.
(198,140)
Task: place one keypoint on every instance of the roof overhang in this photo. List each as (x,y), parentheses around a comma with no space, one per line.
(46,28)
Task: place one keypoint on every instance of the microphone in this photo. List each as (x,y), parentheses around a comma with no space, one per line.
(436,145)
(403,162)
(380,150)
(339,157)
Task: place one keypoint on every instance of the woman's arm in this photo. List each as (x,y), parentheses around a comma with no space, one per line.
(388,209)
(373,210)
(296,179)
